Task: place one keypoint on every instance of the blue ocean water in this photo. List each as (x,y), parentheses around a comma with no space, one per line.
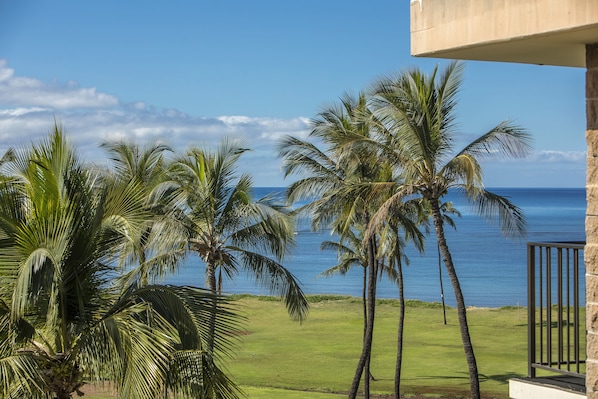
(492,269)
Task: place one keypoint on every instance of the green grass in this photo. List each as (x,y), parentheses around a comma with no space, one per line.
(321,354)
(280,358)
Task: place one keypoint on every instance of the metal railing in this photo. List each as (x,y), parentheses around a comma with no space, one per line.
(556,308)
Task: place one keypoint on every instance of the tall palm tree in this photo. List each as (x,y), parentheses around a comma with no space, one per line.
(345,184)
(229,230)
(402,224)
(332,180)
(63,320)
(418,113)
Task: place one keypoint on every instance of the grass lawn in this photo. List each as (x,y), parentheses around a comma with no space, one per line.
(279,358)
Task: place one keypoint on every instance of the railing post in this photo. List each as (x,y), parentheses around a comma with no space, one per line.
(531,310)
(559,306)
(576,330)
(548,264)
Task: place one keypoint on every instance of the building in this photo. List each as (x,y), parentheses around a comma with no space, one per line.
(542,32)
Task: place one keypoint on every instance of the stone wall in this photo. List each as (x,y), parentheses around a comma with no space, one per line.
(591,250)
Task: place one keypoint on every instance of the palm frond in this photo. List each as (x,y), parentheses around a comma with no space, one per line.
(278,280)
(20,376)
(188,309)
(493,207)
(505,140)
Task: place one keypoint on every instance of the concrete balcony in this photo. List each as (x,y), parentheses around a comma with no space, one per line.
(550,32)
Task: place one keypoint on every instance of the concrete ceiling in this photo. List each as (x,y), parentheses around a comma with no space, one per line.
(564,48)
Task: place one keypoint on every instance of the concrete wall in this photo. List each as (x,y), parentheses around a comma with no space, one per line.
(530,31)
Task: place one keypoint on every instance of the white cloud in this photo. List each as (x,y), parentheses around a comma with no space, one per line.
(28,108)
(559,156)
(20,111)
(5,73)
(29,92)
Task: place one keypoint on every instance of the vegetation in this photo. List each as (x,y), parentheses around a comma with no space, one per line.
(160,245)
(64,320)
(345,179)
(82,249)
(228,229)
(417,112)
(317,358)
(328,176)
(381,164)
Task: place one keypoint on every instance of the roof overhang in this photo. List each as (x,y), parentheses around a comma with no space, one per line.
(546,32)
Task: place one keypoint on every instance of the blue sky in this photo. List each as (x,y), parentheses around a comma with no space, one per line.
(191,72)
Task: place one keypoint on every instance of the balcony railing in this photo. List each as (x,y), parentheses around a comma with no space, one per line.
(556,308)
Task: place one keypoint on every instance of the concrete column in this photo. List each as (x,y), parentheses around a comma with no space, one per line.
(591,251)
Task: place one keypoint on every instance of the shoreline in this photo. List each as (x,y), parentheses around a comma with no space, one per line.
(319,298)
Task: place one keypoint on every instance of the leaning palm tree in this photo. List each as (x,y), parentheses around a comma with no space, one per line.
(418,115)
(228,229)
(64,322)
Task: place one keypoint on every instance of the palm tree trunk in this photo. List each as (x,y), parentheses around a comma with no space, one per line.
(211,276)
(144,279)
(441,288)
(211,280)
(366,378)
(474,380)
(367,342)
(400,328)
(364,301)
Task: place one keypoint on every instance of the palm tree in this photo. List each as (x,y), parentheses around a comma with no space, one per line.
(345,184)
(418,113)
(333,181)
(64,322)
(229,230)
(401,225)
(161,244)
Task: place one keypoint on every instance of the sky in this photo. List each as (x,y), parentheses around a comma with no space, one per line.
(189,73)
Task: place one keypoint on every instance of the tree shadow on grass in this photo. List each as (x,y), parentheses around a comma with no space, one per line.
(459,391)
(503,378)
(464,377)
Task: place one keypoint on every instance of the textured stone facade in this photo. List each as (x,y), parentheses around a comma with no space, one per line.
(591,252)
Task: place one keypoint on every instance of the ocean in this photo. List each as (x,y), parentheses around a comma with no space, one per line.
(491,268)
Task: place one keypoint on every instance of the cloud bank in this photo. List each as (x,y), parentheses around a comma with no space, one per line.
(28,108)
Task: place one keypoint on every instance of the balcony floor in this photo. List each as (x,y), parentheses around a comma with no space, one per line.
(557,387)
